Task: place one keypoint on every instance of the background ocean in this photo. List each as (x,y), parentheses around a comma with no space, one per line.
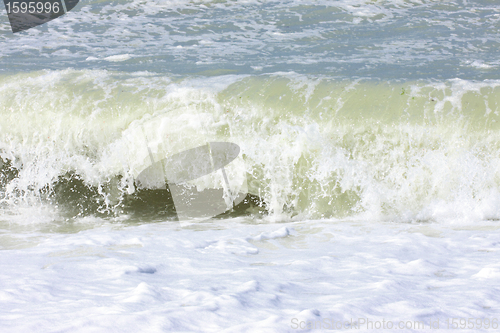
(369,131)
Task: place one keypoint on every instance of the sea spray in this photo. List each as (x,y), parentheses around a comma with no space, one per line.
(311,147)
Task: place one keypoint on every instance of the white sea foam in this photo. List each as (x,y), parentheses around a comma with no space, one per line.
(157,277)
(118,57)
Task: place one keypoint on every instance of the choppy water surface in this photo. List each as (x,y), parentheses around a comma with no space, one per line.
(384,39)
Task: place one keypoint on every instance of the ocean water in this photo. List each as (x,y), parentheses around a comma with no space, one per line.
(369,162)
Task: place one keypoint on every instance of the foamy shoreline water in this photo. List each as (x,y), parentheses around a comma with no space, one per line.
(237,276)
(405,172)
